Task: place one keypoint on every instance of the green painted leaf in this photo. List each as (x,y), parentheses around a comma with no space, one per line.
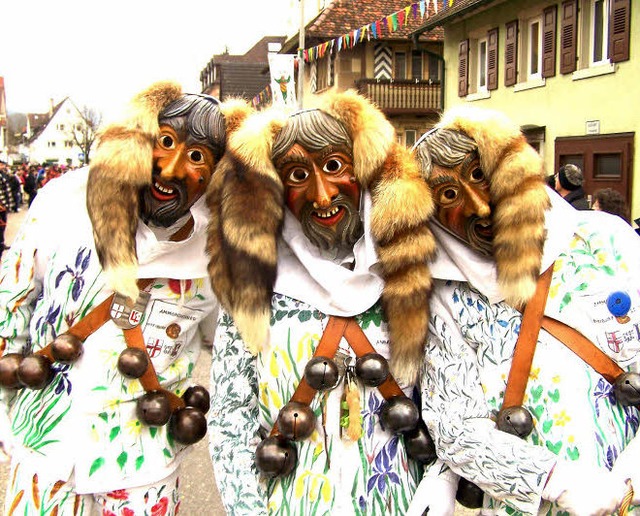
(546,426)
(555,448)
(536,393)
(554,395)
(304,315)
(122,459)
(97,464)
(139,462)
(573,453)
(166,452)
(153,431)
(538,410)
(114,433)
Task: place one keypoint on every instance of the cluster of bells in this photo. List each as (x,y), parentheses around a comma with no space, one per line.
(187,424)
(276,456)
(519,422)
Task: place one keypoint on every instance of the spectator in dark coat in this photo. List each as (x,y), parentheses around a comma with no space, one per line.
(6,203)
(569,181)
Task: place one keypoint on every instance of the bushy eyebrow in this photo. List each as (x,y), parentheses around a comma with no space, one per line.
(294,157)
(438,180)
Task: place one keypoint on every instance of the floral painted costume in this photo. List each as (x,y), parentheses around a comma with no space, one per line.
(82,426)
(334,475)
(473,335)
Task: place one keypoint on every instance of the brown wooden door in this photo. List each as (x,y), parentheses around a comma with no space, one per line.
(606,160)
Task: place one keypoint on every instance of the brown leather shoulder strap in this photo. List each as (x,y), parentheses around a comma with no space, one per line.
(526,343)
(584,348)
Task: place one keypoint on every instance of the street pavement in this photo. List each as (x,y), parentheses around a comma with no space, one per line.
(199,492)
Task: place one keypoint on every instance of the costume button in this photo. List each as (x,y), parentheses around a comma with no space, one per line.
(618,303)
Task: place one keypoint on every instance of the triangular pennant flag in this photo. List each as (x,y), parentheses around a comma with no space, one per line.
(400,17)
(414,10)
(364,31)
(406,14)
(435,6)
(339,43)
(385,24)
(394,22)
(422,8)
(356,36)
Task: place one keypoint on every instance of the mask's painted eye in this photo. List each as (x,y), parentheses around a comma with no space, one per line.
(166,142)
(332,166)
(196,156)
(298,175)
(477,175)
(447,195)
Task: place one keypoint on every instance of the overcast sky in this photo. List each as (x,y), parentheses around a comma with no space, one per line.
(100,53)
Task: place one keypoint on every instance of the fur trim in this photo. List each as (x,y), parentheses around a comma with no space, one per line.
(247,204)
(122,164)
(518,196)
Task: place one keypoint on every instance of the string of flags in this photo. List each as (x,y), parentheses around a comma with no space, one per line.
(374,30)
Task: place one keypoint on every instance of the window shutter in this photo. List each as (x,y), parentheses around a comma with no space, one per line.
(492,59)
(511,53)
(568,36)
(619,21)
(463,68)
(549,41)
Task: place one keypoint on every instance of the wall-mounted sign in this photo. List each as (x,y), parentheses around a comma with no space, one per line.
(593,127)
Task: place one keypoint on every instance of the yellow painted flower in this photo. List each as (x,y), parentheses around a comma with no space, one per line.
(113,403)
(277,359)
(306,345)
(134,387)
(263,392)
(571,438)
(553,290)
(313,491)
(317,450)
(562,418)
(535,371)
(133,427)
(275,397)
(556,379)
(299,488)
(110,358)
(94,434)
(559,263)
(179,366)
(326,491)
(602,258)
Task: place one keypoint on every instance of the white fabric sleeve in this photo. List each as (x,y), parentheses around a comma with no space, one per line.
(627,466)
(436,491)
(459,420)
(584,490)
(234,430)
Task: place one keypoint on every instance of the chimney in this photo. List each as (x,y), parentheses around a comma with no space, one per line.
(50,108)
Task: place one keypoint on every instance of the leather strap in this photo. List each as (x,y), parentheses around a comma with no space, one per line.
(584,348)
(361,346)
(526,343)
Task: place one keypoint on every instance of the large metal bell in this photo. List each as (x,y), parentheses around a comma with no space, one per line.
(627,389)
(66,348)
(276,456)
(9,370)
(419,444)
(399,414)
(133,362)
(469,494)
(372,369)
(153,408)
(197,396)
(321,373)
(35,371)
(296,421)
(188,425)
(515,420)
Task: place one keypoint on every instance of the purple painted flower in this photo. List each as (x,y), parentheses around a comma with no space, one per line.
(79,268)
(49,320)
(382,467)
(62,372)
(603,390)
(369,414)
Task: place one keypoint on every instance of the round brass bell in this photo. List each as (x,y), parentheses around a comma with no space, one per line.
(9,370)
(133,362)
(627,389)
(66,348)
(399,414)
(276,456)
(372,369)
(197,396)
(515,420)
(321,373)
(296,421)
(153,408)
(469,494)
(35,372)
(419,444)
(188,425)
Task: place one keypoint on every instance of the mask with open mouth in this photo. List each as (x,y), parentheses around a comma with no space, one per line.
(162,203)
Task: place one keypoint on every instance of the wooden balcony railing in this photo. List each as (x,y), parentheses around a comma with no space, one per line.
(408,96)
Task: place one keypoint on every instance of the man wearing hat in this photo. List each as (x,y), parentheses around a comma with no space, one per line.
(569,180)
(105,302)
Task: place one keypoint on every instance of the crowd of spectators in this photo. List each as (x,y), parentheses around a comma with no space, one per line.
(19,184)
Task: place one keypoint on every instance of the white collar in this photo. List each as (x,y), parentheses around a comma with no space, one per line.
(305,274)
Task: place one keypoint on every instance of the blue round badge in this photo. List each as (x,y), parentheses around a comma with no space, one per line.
(618,303)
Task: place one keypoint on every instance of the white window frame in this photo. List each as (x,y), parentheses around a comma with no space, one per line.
(482,65)
(604,29)
(532,76)
(415,137)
